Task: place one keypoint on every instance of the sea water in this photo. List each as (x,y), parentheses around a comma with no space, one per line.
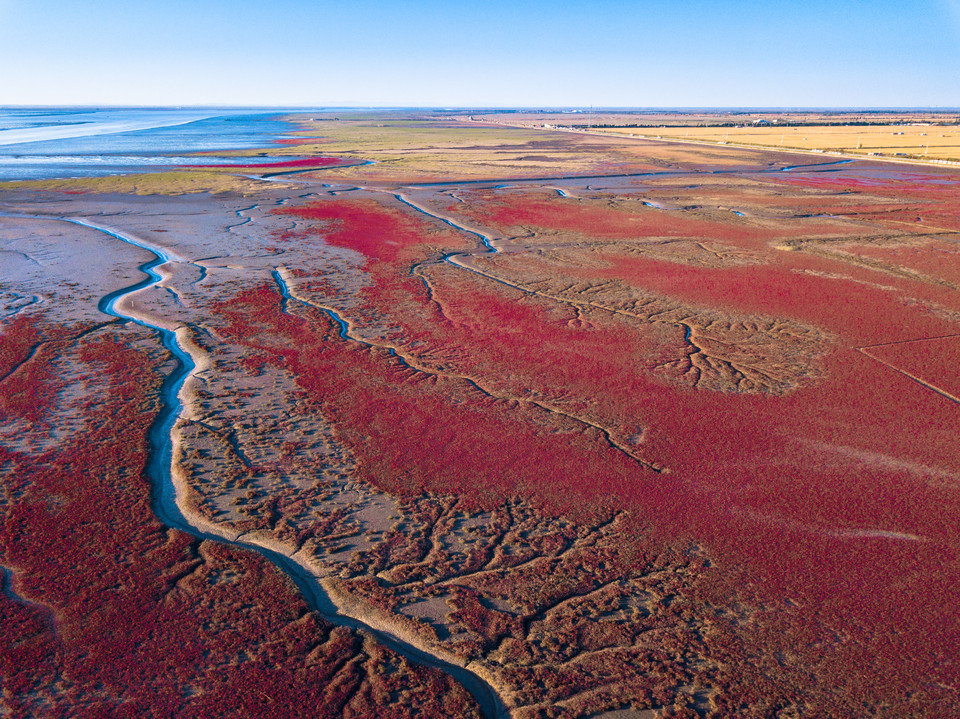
(43,143)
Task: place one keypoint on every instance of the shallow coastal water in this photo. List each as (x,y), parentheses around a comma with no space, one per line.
(43,143)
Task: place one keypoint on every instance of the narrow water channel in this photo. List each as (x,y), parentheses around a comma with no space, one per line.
(168,511)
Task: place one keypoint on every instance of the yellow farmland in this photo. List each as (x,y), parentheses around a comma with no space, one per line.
(930,142)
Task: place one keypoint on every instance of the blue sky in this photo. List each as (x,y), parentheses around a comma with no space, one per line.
(448,53)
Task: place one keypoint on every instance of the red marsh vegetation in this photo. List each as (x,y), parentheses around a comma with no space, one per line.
(506,212)
(798,286)
(934,361)
(918,200)
(512,212)
(299,140)
(112,615)
(301,163)
(381,234)
(938,259)
(829,506)
(26,350)
(418,432)
(827,549)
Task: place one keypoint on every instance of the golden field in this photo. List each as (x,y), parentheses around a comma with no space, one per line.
(918,141)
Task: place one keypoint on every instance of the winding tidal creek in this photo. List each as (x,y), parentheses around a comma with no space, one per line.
(164,491)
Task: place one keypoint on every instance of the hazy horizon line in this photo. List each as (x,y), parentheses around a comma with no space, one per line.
(479,108)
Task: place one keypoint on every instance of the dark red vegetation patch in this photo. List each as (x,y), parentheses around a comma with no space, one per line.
(16,340)
(112,615)
(917,199)
(933,361)
(812,289)
(305,162)
(25,371)
(509,211)
(299,140)
(823,521)
(415,432)
(830,507)
(936,259)
(380,233)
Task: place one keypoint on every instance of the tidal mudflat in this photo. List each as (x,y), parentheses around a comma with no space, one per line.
(432,416)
